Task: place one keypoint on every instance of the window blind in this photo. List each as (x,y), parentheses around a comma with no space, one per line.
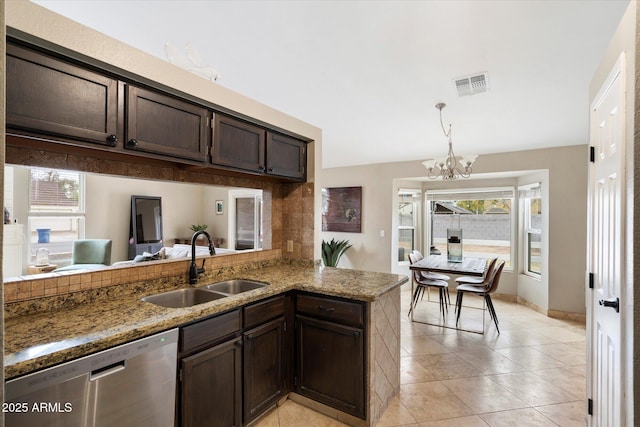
(485,194)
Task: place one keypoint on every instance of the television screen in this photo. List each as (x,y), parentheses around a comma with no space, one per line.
(146,219)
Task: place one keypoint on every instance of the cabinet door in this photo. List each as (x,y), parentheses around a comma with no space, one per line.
(49,96)
(161,124)
(211,388)
(330,364)
(264,367)
(238,144)
(286,156)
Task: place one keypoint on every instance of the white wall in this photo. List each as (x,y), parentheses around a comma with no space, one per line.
(567,214)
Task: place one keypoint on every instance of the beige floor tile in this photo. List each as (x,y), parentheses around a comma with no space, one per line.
(566,353)
(473,421)
(516,338)
(269,420)
(529,359)
(490,362)
(421,344)
(460,341)
(527,417)
(572,414)
(432,401)
(532,389)
(447,366)
(292,414)
(482,394)
(411,371)
(571,379)
(562,334)
(396,415)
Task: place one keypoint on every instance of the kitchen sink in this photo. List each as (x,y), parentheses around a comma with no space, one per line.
(183,298)
(236,286)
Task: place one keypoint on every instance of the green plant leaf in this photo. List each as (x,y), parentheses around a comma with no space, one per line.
(333,251)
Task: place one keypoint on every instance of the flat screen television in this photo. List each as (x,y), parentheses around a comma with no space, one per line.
(146,225)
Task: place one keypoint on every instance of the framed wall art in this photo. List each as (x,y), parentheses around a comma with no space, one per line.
(342,209)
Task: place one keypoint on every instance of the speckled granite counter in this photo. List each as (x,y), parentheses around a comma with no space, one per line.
(36,341)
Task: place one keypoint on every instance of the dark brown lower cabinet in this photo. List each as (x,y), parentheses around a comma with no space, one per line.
(330,365)
(264,367)
(212,386)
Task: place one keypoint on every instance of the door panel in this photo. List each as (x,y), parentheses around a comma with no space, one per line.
(606,251)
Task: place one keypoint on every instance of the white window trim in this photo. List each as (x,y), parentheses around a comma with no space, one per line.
(526,193)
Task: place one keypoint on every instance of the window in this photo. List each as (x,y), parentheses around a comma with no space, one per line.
(483,215)
(408,201)
(56,211)
(531,202)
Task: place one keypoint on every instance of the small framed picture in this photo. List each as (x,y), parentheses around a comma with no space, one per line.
(219,207)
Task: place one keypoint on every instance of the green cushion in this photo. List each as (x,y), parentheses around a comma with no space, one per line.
(92,251)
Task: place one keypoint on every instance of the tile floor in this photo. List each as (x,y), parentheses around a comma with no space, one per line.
(531,374)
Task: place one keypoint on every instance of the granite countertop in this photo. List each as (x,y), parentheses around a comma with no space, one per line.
(37,341)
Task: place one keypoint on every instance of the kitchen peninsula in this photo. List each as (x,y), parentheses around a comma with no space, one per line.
(57,329)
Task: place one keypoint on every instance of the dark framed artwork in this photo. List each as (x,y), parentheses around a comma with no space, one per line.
(342,209)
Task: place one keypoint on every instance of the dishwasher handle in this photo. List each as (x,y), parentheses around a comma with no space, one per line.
(108,370)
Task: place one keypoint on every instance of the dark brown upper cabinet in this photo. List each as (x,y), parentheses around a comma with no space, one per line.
(165,125)
(286,156)
(244,146)
(238,144)
(50,97)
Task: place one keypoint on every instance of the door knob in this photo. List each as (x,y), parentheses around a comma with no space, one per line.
(613,303)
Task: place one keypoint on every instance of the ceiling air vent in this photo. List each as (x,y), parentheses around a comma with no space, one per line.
(470,85)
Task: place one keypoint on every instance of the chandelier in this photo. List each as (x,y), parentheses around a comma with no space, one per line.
(450,167)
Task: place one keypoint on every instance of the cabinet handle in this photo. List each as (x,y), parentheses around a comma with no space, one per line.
(356,334)
(327,309)
(132,143)
(270,169)
(239,343)
(112,140)
(261,167)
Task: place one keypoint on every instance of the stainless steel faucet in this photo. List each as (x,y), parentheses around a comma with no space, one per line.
(194,271)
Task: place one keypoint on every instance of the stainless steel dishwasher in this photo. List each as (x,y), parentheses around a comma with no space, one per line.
(130,385)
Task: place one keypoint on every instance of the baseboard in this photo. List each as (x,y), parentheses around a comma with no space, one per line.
(555,314)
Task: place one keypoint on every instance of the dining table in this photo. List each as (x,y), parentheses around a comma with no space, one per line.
(469,266)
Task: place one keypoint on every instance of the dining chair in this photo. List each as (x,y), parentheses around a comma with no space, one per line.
(426,283)
(430,275)
(484,289)
(477,280)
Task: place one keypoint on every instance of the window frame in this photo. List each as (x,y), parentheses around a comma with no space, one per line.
(526,194)
(417,195)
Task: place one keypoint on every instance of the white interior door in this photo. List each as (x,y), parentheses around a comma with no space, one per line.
(606,252)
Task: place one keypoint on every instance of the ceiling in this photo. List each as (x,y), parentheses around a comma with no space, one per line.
(370,73)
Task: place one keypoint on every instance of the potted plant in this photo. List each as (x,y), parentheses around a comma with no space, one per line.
(198,227)
(333,250)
